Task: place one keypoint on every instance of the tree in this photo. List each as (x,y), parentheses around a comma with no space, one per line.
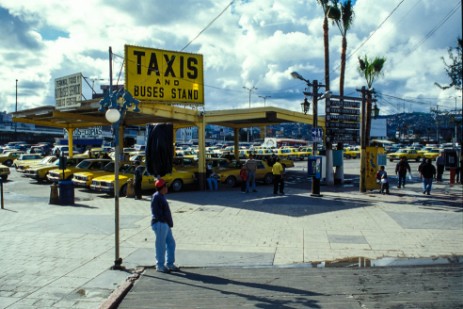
(370,69)
(454,68)
(327,10)
(344,23)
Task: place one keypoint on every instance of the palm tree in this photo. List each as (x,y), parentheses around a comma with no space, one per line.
(370,70)
(344,23)
(330,11)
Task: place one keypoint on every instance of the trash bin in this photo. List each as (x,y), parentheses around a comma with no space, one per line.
(66,192)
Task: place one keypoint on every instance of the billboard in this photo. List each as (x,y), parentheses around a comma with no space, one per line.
(378,128)
(68,91)
(164,76)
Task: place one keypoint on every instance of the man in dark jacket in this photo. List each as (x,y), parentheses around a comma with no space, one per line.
(401,171)
(139,170)
(428,172)
(440,163)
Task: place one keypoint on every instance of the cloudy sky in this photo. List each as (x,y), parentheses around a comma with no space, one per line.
(246,43)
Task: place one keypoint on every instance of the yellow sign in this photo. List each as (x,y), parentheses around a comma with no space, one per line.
(164,76)
(372,166)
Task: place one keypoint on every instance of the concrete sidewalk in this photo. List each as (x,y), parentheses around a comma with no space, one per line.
(59,256)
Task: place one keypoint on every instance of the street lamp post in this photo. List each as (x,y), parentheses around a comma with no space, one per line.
(250,91)
(315,95)
(116,103)
(265,97)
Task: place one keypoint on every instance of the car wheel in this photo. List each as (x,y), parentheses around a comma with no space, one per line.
(268,179)
(391,160)
(231,181)
(4,177)
(418,159)
(8,163)
(176,185)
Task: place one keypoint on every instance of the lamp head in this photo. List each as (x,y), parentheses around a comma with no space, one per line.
(297,75)
(112,115)
(326,95)
(305,106)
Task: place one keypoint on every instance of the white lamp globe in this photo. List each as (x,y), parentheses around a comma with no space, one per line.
(112,115)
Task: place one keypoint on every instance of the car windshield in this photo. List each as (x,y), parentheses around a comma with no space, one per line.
(109,167)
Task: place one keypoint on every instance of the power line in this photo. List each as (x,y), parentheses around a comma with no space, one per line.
(208,25)
(379,27)
(433,30)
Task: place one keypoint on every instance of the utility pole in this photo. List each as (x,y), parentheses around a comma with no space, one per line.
(250,91)
(265,97)
(16,110)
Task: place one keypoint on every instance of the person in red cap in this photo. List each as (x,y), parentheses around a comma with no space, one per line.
(162,224)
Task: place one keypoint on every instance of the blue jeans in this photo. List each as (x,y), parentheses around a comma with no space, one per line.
(427,185)
(251,181)
(212,184)
(164,242)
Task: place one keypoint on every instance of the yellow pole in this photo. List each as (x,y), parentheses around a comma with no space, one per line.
(70,141)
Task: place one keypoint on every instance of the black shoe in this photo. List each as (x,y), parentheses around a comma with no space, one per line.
(282,193)
(428,193)
(173,268)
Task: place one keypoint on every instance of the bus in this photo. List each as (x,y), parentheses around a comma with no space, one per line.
(272,142)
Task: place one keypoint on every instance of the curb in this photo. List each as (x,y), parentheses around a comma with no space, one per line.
(116,297)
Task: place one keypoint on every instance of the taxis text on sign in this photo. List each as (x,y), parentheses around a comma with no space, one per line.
(164,76)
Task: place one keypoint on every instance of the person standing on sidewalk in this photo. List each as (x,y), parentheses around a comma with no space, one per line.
(401,171)
(211,178)
(162,224)
(381,177)
(428,172)
(244,177)
(138,179)
(251,167)
(440,163)
(278,172)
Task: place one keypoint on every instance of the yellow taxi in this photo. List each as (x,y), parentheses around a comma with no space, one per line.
(4,172)
(352,153)
(84,179)
(306,151)
(106,183)
(29,159)
(432,153)
(409,154)
(85,165)
(21,167)
(177,180)
(40,172)
(90,153)
(231,176)
(8,158)
(185,154)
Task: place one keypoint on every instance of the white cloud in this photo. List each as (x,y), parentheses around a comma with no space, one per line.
(251,43)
